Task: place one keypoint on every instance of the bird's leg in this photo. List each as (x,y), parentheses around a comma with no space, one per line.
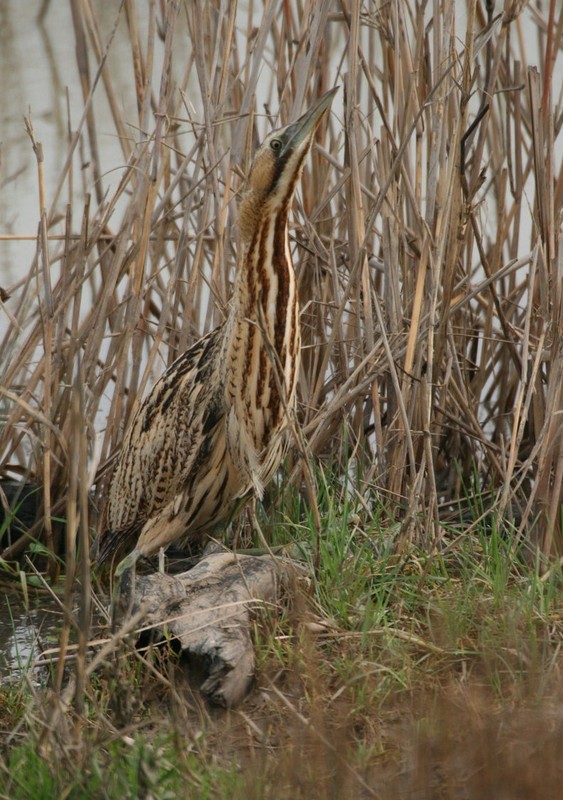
(129,562)
(124,587)
(257,527)
(265,549)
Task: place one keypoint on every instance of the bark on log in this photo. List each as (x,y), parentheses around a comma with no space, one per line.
(209,611)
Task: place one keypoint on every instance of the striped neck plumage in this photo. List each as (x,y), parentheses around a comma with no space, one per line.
(266,280)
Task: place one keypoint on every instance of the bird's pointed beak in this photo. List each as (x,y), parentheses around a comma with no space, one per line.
(305,126)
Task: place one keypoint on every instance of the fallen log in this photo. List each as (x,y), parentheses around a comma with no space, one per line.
(209,611)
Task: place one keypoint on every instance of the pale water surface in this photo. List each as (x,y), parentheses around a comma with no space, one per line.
(39,76)
(26,631)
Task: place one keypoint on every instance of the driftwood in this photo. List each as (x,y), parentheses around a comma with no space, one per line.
(209,611)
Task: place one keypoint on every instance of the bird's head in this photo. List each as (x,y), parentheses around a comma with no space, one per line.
(277,166)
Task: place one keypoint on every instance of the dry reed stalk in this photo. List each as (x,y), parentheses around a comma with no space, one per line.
(427,231)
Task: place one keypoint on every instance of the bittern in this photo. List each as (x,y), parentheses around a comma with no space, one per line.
(213,429)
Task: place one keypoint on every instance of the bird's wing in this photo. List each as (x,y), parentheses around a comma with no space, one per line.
(164,440)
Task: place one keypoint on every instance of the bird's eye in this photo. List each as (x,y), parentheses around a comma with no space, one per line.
(276,144)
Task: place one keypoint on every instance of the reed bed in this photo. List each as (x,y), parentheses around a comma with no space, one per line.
(427,235)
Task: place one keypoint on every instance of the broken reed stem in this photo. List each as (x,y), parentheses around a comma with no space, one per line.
(44,292)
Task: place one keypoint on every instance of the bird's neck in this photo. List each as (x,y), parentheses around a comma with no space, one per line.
(262,334)
(265,290)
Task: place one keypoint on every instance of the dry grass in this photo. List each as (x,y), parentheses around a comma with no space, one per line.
(427,237)
(428,241)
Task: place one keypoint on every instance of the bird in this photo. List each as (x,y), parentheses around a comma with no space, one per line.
(213,429)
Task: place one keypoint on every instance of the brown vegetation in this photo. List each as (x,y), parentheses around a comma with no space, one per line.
(427,238)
